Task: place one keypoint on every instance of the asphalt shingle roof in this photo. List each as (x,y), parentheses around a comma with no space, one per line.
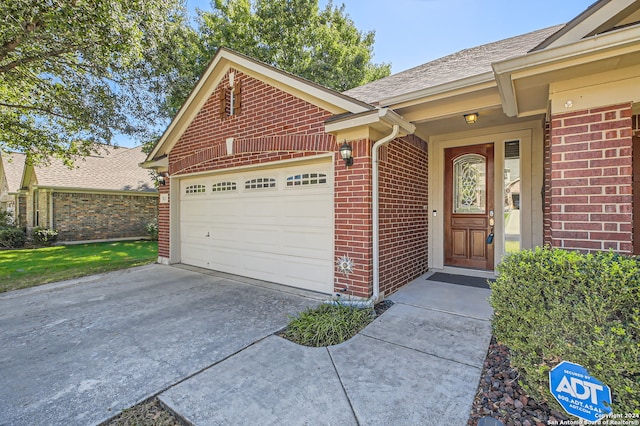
(13,164)
(459,65)
(111,169)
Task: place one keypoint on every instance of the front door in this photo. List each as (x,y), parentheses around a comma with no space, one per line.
(469,207)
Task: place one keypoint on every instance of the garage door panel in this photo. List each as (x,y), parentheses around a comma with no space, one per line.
(282,234)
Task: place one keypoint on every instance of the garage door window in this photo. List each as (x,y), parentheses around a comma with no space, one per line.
(260,183)
(223,186)
(195,189)
(307,179)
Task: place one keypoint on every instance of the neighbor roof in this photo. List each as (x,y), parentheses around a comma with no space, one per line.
(114,169)
(13,164)
(463,64)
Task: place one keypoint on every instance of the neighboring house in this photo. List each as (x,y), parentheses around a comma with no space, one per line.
(11,170)
(257,187)
(105,196)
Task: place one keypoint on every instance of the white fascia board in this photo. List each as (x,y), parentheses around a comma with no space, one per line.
(155,164)
(555,58)
(456,85)
(383,115)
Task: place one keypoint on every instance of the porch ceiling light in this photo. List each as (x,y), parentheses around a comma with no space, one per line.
(346,151)
(471,118)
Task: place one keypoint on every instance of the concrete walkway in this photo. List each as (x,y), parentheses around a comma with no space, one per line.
(80,351)
(418,364)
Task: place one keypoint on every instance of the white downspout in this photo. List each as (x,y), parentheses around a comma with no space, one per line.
(376,208)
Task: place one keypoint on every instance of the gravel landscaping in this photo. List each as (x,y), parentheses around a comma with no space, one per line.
(499,395)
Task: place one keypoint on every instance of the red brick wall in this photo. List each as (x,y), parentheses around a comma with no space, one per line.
(163,221)
(273,126)
(591,173)
(403,218)
(353,221)
(546,206)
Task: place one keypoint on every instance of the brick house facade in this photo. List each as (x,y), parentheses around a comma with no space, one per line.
(103,197)
(549,159)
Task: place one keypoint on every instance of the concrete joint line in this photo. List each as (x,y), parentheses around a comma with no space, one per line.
(355,415)
(419,351)
(443,311)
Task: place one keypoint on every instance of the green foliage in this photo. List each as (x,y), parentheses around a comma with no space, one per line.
(152,230)
(328,324)
(321,45)
(11,237)
(552,305)
(73,73)
(44,236)
(6,219)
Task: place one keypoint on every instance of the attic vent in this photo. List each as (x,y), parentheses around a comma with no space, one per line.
(230,98)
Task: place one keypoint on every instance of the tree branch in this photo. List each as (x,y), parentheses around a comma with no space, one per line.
(26,60)
(39,109)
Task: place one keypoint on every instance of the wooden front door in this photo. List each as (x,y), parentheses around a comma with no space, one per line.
(469,207)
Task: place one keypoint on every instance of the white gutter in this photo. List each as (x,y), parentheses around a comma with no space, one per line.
(376,209)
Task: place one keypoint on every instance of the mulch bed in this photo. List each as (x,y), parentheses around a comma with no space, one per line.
(500,396)
(150,413)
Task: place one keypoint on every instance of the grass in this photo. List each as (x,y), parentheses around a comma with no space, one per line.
(32,267)
(328,324)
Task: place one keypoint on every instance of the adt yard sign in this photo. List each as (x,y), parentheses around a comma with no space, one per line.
(579,394)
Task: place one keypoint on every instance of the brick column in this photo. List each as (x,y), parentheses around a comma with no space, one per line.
(591,179)
(163,222)
(353,221)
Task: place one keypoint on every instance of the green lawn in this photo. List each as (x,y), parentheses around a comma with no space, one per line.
(28,268)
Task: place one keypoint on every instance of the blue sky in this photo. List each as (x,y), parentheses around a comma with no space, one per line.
(412,32)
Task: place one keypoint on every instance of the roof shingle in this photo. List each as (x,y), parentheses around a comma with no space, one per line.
(13,164)
(457,66)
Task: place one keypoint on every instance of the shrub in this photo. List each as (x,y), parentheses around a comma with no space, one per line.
(44,236)
(152,230)
(6,219)
(552,305)
(328,324)
(12,237)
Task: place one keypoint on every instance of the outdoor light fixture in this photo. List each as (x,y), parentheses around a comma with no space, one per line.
(471,118)
(162,178)
(346,152)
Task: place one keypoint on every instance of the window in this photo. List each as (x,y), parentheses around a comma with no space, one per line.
(195,189)
(469,184)
(511,197)
(260,183)
(224,186)
(307,179)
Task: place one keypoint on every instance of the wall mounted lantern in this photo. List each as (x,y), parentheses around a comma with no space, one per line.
(162,178)
(471,118)
(346,151)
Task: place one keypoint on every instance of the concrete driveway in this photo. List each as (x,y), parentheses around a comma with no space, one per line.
(77,352)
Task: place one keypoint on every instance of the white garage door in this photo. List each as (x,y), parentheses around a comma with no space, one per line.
(274,225)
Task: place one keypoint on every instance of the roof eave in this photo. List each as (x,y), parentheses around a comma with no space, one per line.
(375,118)
(546,61)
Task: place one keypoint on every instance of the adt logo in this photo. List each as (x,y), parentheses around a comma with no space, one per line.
(579,394)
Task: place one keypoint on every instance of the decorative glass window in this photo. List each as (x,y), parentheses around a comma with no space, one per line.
(195,189)
(224,186)
(260,183)
(469,184)
(307,179)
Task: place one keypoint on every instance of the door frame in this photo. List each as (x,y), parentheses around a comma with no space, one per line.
(532,171)
(470,219)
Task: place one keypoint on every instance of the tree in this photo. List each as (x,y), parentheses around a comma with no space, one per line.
(75,72)
(323,46)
